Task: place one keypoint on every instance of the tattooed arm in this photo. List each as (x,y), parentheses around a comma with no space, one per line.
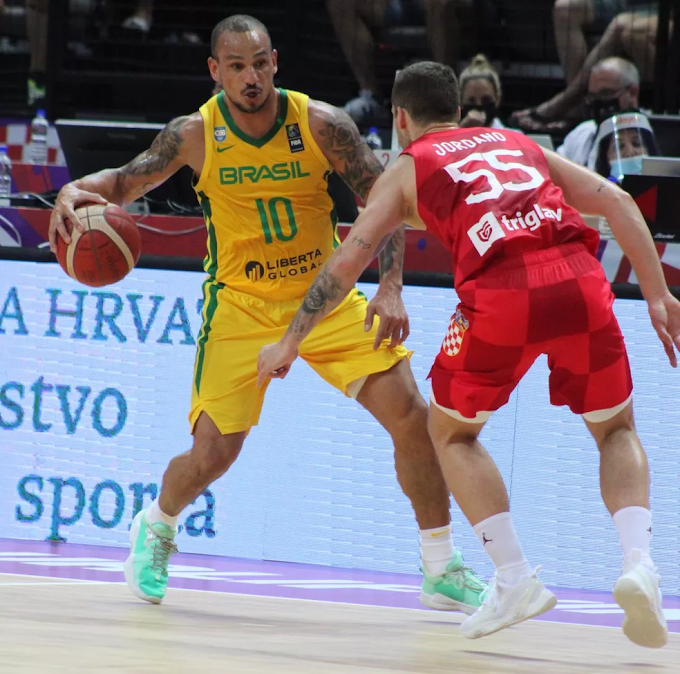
(349,156)
(180,142)
(390,203)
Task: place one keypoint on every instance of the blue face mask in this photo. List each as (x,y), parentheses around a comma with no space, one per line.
(628,166)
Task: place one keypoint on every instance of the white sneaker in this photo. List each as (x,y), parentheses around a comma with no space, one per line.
(505,606)
(637,593)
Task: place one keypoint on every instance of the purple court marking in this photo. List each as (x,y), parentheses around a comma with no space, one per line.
(282,579)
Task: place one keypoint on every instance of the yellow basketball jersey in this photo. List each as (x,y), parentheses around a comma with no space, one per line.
(271,222)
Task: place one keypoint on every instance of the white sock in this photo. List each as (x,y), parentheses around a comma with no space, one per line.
(155,514)
(634,526)
(436,549)
(497,535)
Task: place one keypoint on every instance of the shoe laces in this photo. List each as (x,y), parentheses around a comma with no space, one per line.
(462,577)
(490,596)
(161,549)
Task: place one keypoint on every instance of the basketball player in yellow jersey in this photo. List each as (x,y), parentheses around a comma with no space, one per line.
(262,157)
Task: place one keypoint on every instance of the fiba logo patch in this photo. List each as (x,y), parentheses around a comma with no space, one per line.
(220,133)
(294,137)
(254,271)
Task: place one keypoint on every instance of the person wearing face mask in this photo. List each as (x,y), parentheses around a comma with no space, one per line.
(480,94)
(613,87)
(621,144)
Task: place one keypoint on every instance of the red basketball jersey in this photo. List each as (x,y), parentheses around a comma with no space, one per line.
(487,196)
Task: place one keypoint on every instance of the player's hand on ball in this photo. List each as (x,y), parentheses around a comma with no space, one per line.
(70,198)
(274,361)
(665,315)
(389,307)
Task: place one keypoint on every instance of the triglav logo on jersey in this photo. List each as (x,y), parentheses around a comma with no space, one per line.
(220,133)
(294,137)
(454,337)
(485,232)
(254,271)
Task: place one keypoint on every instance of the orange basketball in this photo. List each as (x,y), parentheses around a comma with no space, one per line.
(108,249)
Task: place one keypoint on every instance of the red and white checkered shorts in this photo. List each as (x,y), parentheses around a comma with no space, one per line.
(556,302)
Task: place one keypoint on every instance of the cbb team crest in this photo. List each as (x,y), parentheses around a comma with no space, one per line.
(454,337)
(220,133)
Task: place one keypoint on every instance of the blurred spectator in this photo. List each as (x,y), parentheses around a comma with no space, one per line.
(36,28)
(621,144)
(355,20)
(613,87)
(480,94)
(141,20)
(632,35)
(574,19)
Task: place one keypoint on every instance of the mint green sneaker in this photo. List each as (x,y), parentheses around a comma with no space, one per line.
(146,569)
(458,589)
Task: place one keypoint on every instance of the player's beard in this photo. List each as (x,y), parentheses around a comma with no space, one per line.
(251,111)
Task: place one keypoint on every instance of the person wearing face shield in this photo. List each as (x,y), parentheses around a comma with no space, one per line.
(613,87)
(621,144)
(480,94)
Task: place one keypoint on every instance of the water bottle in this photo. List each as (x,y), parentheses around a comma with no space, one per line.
(38,147)
(5,173)
(373,139)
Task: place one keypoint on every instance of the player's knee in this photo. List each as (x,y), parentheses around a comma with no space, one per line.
(214,459)
(606,429)
(413,414)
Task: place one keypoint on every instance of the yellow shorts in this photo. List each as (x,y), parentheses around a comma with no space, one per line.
(236,326)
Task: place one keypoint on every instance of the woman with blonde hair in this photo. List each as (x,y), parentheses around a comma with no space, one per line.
(480,94)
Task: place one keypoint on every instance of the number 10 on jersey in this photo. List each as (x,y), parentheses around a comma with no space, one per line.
(269,218)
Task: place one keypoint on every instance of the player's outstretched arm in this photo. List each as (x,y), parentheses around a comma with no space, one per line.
(386,209)
(180,142)
(339,139)
(590,193)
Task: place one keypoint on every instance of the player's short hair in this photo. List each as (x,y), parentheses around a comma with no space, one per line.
(238,23)
(428,91)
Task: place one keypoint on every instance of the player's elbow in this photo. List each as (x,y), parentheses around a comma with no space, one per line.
(619,203)
(349,264)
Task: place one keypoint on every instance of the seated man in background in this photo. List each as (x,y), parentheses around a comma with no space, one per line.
(447,22)
(631,35)
(613,86)
(480,94)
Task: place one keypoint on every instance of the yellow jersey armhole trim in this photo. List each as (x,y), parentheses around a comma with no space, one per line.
(304,118)
(205,111)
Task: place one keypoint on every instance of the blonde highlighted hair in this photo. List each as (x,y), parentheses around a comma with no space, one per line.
(480,68)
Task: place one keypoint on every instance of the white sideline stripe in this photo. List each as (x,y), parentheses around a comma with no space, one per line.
(42,584)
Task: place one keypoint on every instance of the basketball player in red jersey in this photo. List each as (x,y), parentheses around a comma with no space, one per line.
(529,283)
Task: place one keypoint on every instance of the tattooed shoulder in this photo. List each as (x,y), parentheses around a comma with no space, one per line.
(164,150)
(339,139)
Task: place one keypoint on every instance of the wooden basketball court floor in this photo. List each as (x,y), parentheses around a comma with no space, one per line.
(69,619)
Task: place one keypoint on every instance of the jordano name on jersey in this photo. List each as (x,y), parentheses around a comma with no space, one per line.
(450,146)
